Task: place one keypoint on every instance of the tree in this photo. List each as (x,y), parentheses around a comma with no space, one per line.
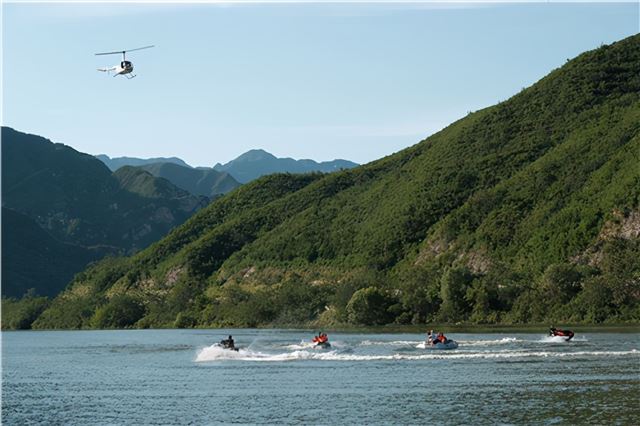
(120,312)
(561,282)
(453,289)
(369,306)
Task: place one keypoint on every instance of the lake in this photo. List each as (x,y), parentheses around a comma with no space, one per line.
(177,377)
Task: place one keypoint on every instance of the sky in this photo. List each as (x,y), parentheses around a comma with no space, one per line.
(357,81)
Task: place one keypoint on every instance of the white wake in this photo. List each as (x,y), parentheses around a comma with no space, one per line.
(215,353)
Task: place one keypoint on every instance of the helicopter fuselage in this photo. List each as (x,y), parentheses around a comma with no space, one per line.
(125,67)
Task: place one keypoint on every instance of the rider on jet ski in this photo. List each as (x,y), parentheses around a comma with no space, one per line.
(434,339)
(564,333)
(441,338)
(321,338)
(228,343)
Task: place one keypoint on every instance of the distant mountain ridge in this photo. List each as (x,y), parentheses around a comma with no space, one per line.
(117,162)
(222,178)
(258,162)
(201,181)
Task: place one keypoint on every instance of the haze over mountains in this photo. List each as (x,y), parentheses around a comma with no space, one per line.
(526,211)
(117,162)
(257,162)
(245,168)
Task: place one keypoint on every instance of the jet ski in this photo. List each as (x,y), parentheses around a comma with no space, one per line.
(229,348)
(449,344)
(567,334)
(439,341)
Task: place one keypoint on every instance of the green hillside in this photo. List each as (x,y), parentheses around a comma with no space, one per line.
(84,211)
(77,199)
(33,259)
(526,211)
(207,182)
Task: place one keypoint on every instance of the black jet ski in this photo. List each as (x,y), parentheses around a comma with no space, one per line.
(229,348)
(567,334)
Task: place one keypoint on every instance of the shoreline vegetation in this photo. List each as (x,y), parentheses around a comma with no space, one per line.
(19,314)
(525,212)
(625,328)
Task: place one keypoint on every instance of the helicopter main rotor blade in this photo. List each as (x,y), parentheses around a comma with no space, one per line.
(122,52)
(139,48)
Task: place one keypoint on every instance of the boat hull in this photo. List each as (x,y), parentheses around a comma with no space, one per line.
(451,344)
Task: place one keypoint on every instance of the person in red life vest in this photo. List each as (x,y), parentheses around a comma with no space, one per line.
(320,338)
(441,338)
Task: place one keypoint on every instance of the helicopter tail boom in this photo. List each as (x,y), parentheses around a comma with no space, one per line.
(107,69)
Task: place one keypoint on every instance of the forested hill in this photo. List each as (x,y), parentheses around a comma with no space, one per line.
(83,209)
(33,259)
(526,211)
(77,199)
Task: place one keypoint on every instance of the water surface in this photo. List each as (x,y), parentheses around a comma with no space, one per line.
(178,377)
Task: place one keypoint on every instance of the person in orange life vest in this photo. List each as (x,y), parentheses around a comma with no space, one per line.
(320,338)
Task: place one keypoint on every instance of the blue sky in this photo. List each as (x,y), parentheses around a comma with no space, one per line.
(320,81)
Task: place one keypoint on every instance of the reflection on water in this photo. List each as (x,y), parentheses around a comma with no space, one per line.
(178,376)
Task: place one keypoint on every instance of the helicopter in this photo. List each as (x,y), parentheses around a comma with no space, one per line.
(126,67)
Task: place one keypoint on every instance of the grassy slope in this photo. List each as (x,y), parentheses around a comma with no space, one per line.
(474,223)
